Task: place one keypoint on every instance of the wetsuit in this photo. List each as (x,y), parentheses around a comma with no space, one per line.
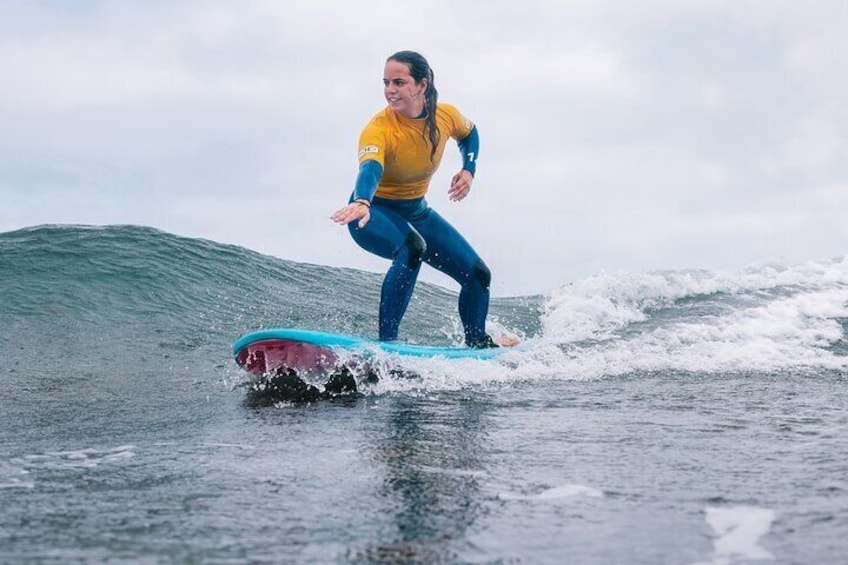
(395,172)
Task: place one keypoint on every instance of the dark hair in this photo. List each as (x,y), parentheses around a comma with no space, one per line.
(420,69)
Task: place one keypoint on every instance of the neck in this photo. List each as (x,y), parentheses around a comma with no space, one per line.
(415,112)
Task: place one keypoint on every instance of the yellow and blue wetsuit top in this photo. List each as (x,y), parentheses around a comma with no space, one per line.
(402,149)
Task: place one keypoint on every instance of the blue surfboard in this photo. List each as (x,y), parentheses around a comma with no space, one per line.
(272,350)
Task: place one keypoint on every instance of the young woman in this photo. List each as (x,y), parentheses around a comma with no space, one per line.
(399,151)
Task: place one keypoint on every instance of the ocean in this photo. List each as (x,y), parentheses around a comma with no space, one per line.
(681,417)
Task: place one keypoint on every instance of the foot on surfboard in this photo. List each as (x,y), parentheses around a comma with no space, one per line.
(506,340)
(500,341)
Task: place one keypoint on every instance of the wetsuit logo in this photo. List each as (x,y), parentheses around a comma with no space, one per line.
(369,149)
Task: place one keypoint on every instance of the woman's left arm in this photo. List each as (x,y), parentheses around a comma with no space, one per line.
(469,146)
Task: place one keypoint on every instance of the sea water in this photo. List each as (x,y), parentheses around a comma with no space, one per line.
(676,417)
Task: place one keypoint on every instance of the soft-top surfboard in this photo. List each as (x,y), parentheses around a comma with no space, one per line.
(271,350)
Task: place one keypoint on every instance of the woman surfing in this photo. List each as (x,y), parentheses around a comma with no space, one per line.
(399,151)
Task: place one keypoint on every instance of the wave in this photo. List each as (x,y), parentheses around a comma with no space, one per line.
(138,275)
(146,286)
(766,318)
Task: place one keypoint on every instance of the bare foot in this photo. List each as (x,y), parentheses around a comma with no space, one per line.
(507,340)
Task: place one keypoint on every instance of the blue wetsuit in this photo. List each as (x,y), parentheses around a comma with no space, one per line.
(408,232)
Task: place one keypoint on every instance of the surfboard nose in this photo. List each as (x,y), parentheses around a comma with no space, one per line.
(270,356)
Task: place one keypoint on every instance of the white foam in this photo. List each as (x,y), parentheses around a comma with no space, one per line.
(768,318)
(592,307)
(84,458)
(739,530)
(14,477)
(560,492)
(452,472)
(17,483)
(245,447)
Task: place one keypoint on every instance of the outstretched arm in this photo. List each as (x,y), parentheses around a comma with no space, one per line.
(366,185)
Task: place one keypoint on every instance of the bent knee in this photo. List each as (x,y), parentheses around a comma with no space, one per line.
(413,250)
(482,274)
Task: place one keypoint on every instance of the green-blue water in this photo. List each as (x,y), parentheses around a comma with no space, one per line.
(676,417)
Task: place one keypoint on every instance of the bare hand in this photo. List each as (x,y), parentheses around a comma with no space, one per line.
(351,212)
(460,185)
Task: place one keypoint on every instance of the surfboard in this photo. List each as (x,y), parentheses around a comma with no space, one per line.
(268,351)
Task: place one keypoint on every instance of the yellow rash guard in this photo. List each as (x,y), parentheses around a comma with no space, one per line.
(401,147)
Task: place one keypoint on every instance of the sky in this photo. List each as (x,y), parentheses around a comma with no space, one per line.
(615,136)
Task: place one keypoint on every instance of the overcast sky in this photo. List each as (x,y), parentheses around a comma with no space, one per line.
(658,134)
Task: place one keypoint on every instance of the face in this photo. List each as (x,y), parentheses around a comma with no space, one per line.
(403,94)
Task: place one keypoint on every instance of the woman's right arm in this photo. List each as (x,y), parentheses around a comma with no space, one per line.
(370,172)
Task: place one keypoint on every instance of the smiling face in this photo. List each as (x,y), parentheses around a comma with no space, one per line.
(404,95)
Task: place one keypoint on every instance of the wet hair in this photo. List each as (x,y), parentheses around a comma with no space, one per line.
(420,69)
